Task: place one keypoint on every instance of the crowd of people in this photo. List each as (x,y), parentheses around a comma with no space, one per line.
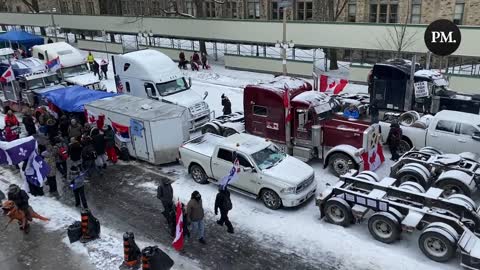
(99,70)
(196,61)
(73,151)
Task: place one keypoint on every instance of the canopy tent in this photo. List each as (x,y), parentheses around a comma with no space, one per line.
(73,98)
(21,38)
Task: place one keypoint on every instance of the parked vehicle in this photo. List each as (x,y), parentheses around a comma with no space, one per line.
(152,74)
(74,69)
(265,171)
(388,83)
(156,129)
(449,131)
(6,55)
(456,174)
(445,223)
(315,132)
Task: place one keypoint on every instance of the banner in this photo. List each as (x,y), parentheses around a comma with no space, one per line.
(421,89)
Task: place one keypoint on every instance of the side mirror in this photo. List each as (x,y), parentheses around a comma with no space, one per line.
(249,169)
(476,136)
(205,95)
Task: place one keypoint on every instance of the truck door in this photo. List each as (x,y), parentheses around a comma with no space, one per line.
(151,91)
(443,136)
(137,131)
(247,177)
(303,127)
(465,141)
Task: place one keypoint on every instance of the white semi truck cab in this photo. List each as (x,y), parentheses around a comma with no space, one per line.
(152,74)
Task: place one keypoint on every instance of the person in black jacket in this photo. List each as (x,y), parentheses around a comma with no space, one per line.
(223,202)
(100,145)
(20,198)
(88,156)
(227,105)
(29,123)
(64,125)
(75,152)
(393,140)
(96,69)
(165,194)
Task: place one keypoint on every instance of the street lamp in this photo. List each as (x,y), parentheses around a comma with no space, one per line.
(54,10)
(284,44)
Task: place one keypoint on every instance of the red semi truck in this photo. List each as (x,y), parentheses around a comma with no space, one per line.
(316,131)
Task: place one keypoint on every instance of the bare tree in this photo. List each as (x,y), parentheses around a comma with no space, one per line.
(334,9)
(32,5)
(398,38)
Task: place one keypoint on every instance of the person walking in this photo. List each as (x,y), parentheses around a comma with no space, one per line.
(96,70)
(182,63)
(204,61)
(88,156)
(90,60)
(104,68)
(223,202)
(75,129)
(49,41)
(99,145)
(195,61)
(75,152)
(29,123)
(165,195)
(49,157)
(195,215)
(110,144)
(20,198)
(60,152)
(77,183)
(393,140)
(227,105)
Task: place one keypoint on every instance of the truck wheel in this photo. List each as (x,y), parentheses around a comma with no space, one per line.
(404,147)
(369,176)
(462,200)
(437,243)
(412,186)
(198,174)
(338,212)
(384,227)
(453,186)
(415,173)
(430,150)
(341,164)
(271,199)
(210,129)
(229,131)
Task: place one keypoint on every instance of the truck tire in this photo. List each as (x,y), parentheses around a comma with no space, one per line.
(412,186)
(198,174)
(369,176)
(438,242)
(271,199)
(228,132)
(338,212)
(430,150)
(341,163)
(453,186)
(209,128)
(414,172)
(408,118)
(384,227)
(404,146)
(463,200)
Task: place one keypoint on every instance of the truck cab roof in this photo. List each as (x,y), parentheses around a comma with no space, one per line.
(456,116)
(69,55)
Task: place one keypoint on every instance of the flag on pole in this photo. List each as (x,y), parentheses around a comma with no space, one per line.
(332,85)
(286,105)
(373,158)
(178,241)
(118,84)
(232,175)
(93,118)
(8,75)
(54,64)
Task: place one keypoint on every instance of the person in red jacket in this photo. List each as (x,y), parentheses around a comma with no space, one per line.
(10,135)
(10,119)
(195,63)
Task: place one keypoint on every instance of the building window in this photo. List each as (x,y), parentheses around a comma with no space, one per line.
(155,8)
(458,16)
(190,8)
(90,8)
(383,12)
(253,9)
(352,12)
(232,9)
(277,12)
(210,9)
(373,13)
(124,7)
(416,13)
(64,7)
(304,10)
(76,8)
(392,17)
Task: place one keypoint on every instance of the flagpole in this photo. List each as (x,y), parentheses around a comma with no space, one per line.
(288,126)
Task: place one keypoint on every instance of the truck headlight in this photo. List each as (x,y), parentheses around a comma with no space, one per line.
(289,190)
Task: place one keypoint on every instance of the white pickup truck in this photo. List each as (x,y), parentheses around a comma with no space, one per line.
(265,171)
(449,131)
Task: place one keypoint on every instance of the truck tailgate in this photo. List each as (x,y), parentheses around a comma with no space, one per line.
(204,144)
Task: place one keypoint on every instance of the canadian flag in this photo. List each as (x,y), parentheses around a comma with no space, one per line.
(373,158)
(332,85)
(286,104)
(7,76)
(178,241)
(93,118)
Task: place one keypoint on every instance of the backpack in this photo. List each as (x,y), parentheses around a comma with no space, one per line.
(63,153)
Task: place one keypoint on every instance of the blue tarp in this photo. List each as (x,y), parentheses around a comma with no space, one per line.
(23,38)
(72,98)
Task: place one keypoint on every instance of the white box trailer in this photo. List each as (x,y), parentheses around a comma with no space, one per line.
(156,129)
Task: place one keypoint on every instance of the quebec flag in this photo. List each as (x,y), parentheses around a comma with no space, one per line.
(25,150)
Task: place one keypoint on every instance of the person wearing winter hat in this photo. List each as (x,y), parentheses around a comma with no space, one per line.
(77,183)
(195,215)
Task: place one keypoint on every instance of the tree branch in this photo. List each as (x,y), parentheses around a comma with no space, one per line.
(339,11)
(33,6)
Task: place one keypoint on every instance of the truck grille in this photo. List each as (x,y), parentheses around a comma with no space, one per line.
(198,108)
(305,183)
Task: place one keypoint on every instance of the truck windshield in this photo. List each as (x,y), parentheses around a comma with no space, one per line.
(75,70)
(172,87)
(36,83)
(268,157)
(52,79)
